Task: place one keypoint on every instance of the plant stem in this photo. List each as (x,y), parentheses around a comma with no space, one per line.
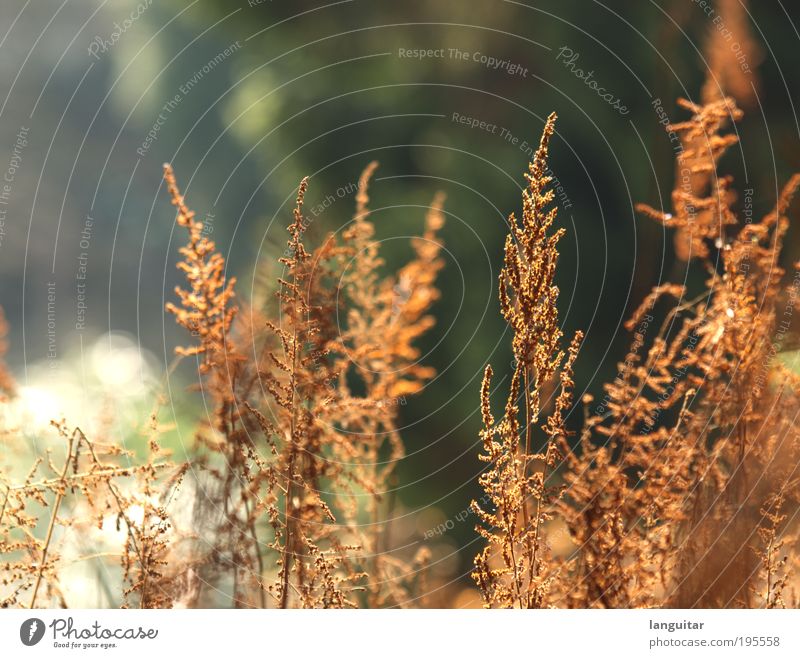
(288,502)
(526,517)
(53,517)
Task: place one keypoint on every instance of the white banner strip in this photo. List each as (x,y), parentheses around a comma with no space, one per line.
(401,633)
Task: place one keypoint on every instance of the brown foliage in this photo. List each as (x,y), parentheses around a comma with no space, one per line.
(673,495)
(675,489)
(93,484)
(514,570)
(285,487)
(319,467)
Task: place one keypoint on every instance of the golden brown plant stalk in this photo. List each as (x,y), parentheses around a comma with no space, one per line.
(323,446)
(673,494)
(6,381)
(229,467)
(732,56)
(326,437)
(375,350)
(96,482)
(514,569)
(700,199)
(206,310)
(773,554)
(692,440)
(314,569)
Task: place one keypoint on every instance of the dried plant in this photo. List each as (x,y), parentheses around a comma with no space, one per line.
(672,495)
(6,381)
(314,562)
(95,486)
(514,569)
(700,200)
(374,350)
(228,468)
(772,554)
(731,70)
(286,484)
(320,464)
(676,489)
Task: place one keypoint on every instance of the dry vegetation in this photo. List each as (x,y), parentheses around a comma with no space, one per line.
(286,491)
(676,489)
